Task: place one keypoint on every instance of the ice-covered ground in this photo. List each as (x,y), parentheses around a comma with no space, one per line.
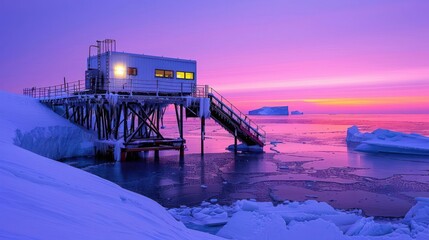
(383,140)
(45,199)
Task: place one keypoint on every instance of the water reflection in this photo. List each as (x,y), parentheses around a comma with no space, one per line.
(312,151)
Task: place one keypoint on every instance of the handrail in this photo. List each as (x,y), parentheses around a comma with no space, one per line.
(56,91)
(206,91)
(129,86)
(154,87)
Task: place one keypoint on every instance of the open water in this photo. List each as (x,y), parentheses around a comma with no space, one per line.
(306,157)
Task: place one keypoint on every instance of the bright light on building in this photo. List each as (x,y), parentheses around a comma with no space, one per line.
(119,71)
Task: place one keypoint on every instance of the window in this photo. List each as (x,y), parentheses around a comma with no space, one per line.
(168,74)
(164,73)
(189,75)
(159,73)
(132,71)
(180,75)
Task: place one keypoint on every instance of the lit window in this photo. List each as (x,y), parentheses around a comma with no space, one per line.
(168,74)
(189,75)
(119,71)
(180,75)
(159,73)
(132,71)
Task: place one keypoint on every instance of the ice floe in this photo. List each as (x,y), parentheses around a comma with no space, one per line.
(383,140)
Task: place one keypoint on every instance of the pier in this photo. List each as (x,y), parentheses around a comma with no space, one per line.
(125,107)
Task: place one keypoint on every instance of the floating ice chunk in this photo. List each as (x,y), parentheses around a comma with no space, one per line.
(246,205)
(419,213)
(254,225)
(382,140)
(246,148)
(314,229)
(367,227)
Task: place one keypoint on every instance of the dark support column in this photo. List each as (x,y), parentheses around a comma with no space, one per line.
(203,134)
(157,116)
(67,111)
(118,111)
(235,141)
(78,115)
(182,146)
(82,115)
(125,121)
(88,115)
(98,122)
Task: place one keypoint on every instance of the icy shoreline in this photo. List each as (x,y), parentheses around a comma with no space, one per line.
(248,219)
(51,200)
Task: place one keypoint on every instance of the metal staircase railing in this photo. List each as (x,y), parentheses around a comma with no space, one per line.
(244,122)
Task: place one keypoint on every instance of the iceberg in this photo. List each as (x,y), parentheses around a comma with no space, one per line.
(296,112)
(283,110)
(383,140)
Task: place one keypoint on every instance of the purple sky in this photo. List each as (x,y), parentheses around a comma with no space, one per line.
(318,56)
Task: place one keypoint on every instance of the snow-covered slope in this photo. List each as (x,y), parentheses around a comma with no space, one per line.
(44,199)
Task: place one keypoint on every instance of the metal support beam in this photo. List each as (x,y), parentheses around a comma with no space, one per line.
(182,146)
(203,134)
(125,109)
(235,140)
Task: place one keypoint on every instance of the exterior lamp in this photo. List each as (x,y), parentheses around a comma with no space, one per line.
(119,71)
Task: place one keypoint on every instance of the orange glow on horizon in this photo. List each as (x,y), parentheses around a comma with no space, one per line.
(351,101)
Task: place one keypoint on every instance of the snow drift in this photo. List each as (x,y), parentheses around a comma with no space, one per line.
(383,140)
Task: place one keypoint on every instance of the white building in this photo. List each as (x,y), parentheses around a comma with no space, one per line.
(140,74)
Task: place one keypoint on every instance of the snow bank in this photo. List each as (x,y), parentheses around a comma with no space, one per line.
(307,220)
(44,199)
(382,140)
(37,128)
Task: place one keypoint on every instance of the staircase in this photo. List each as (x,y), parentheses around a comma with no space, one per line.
(229,117)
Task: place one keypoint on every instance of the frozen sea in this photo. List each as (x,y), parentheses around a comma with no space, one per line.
(306,157)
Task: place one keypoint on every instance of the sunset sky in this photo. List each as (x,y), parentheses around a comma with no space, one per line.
(333,56)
